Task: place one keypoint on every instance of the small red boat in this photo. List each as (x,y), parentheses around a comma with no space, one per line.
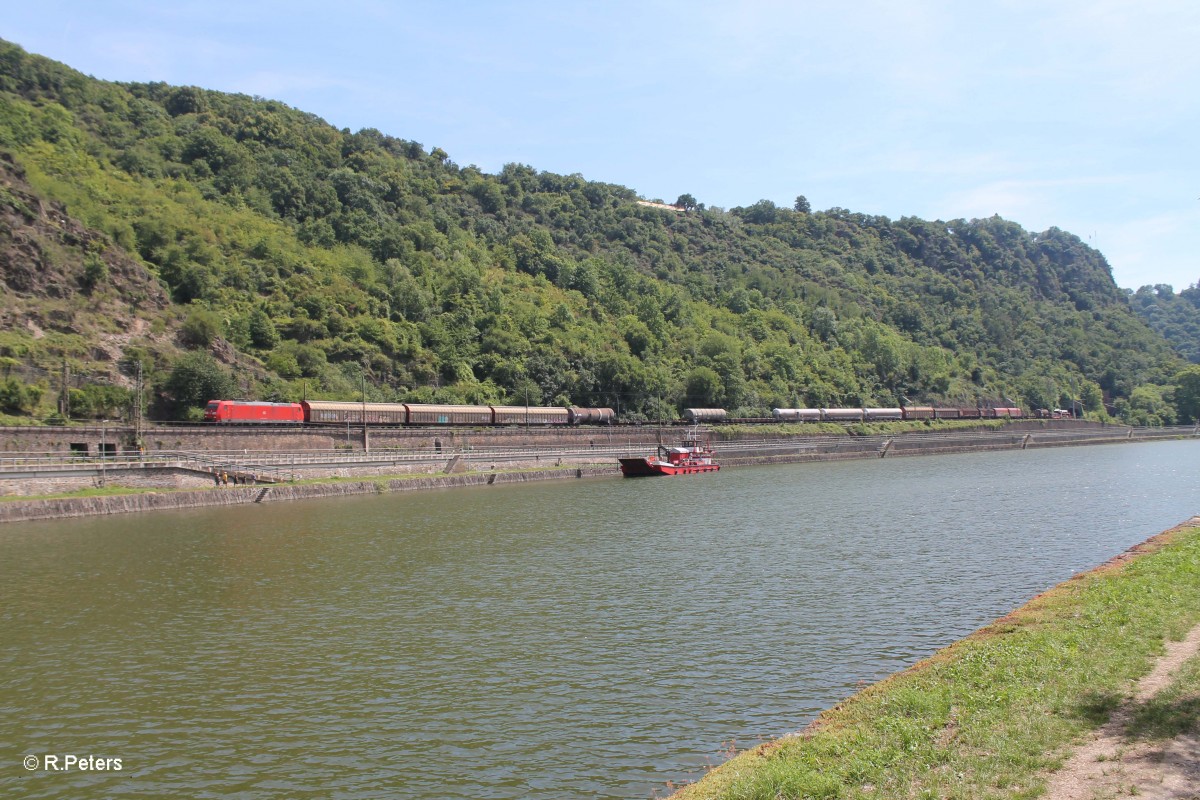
(688,457)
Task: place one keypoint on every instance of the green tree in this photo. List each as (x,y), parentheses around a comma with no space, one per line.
(200,328)
(823,322)
(98,401)
(762,212)
(1187,394)
(1147,405)
(636,334)
(262,330)
(284,364)
(17,398)
(1092,397)
(703,388)
(197,378)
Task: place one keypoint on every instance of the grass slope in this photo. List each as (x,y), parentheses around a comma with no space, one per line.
(989,716)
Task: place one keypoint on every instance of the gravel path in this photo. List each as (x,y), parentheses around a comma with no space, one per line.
(1112,765)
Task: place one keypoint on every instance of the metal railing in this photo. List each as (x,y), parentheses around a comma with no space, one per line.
(283,465)
(48,464)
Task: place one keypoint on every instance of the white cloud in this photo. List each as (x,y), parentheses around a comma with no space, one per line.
(1146,251)
(1024,199)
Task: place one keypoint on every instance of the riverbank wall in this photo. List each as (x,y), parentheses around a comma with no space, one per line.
(66,507)
(172,487)
(88,440)
(836,448)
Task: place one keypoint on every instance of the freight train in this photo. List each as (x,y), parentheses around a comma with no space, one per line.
(329,412)
(342,413)
(711,415)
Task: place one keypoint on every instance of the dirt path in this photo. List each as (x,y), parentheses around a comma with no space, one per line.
(1112,764)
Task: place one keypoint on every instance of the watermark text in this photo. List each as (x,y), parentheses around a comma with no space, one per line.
(70,762)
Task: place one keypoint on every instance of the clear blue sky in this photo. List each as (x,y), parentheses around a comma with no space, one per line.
(1080,115)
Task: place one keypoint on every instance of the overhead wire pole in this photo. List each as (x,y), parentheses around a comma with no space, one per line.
(137,408)
(64,400)
(366,443)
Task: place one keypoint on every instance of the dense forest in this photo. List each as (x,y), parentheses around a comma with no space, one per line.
(1175,316)
(224,245)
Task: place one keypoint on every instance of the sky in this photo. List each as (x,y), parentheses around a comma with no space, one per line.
(1076,115)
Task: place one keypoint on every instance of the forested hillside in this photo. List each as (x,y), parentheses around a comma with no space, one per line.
(233,246)
(1175,316)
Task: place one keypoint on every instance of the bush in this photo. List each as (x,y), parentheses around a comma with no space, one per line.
(197,378)
(100,402)
(200,328)
(95,272)
(17,398)
(262,330)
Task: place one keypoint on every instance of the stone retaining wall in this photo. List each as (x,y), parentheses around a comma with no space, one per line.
(25,510)
(836,448)
(132,478)
(122,439)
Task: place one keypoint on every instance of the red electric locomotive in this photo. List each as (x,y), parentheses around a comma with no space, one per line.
(240,411)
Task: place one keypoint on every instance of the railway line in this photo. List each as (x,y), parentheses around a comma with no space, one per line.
(287,465)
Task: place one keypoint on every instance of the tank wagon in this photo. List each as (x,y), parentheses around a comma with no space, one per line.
(880,414)
(696,415)
(591,416)
(797,414)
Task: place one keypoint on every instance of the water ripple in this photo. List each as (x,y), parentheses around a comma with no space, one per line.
(585,639)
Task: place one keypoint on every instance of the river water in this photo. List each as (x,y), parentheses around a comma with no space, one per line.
(561,640)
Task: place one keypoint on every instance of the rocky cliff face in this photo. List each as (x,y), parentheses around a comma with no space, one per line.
(69,285)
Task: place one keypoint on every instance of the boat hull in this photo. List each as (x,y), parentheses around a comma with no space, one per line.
(646,468)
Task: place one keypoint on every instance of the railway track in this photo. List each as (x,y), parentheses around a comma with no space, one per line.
(285,465)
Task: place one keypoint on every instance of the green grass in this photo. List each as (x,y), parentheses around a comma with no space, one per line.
(380,481)
(404,476)
(990,715)
(1173,711)
(95,491)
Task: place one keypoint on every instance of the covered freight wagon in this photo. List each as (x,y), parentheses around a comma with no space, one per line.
(419,414)
(529,415)
(330,411)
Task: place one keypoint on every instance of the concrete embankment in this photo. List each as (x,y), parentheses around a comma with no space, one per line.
(56,508)
(835,448)
(180,488)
